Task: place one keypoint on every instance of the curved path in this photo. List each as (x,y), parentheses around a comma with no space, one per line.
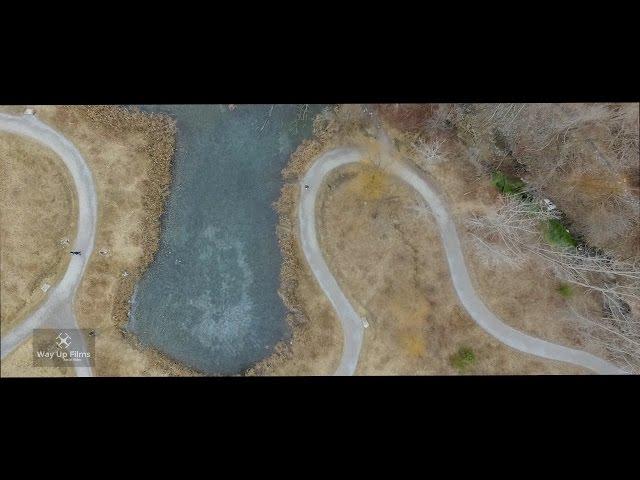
(57,310)
(352,324)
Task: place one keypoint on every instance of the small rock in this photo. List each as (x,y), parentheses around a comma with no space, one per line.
(44,287)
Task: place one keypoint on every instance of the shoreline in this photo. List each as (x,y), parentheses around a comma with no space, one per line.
(287,359)
(294,272)
(220,265)
(143,144)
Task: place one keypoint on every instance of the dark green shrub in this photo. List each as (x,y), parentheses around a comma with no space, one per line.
(565,290)
(507,185)
(557,234)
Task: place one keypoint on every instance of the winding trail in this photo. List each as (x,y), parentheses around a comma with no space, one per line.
(57,310)
(352,324)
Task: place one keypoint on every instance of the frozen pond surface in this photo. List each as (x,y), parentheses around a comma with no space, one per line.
(210,298)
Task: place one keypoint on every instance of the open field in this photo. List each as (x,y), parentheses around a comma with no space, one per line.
(12,109)
(531,302)
(316,344)
(19,363)
(38,218)
(388,258)
(384,250)
(588,171)
(129,154)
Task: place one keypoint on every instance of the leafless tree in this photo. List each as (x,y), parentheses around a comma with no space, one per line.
(616,331)
(615,279)
(429,153)
(515,231)
(583,156)
(509,232)
(443,118)
(512,235)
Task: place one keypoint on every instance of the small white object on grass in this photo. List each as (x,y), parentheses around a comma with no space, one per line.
(29,111)
(44,287)
(365,323)
(550,205)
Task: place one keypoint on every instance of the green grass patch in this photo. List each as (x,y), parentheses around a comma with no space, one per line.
(506,184)
(557,234)
(565,290)
(463,359)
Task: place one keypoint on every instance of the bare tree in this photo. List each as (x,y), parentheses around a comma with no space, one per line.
(443,118)
(515,232)
(615,279)
(508,233)
(512,235)
(616,331)
(429,153)
(583,156)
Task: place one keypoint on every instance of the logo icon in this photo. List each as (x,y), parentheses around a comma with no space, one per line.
(63,340)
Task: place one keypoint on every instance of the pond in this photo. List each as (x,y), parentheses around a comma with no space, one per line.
(209,299)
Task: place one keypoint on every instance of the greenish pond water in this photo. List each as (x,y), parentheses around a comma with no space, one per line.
(210,300)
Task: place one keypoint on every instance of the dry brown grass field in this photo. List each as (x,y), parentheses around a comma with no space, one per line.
(19,363)
(389,260)
(385,253)
(526,299)
(594,188)
(39,212)
(129,154)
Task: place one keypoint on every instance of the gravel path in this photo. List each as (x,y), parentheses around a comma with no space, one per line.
(57,309)
(352,324)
